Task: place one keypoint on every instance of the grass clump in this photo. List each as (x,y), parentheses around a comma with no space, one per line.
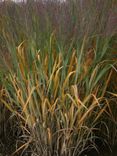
(59,84)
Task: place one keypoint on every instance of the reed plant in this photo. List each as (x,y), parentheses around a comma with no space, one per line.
(58,75)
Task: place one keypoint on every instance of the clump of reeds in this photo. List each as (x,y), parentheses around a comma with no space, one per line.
(57,81)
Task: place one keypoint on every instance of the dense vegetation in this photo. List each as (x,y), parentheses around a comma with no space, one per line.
(58,77)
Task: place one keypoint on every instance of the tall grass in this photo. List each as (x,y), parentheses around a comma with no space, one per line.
(58,74)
